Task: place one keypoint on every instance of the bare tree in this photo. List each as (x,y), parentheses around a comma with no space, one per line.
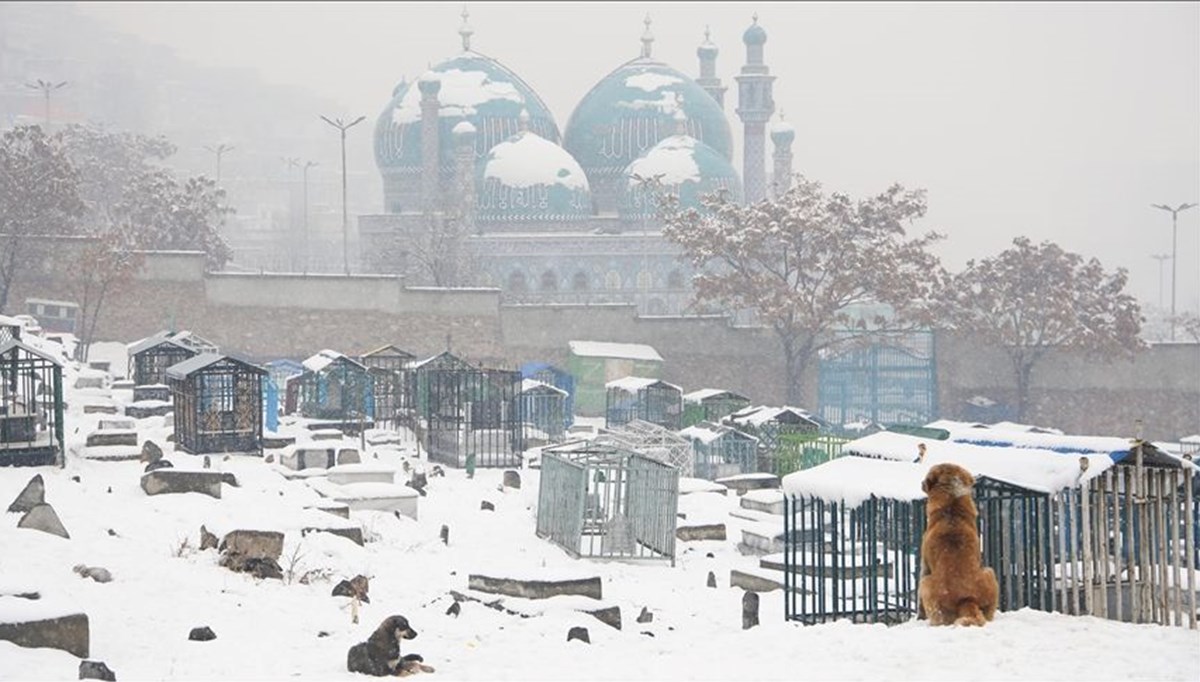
(438,253)
(809,263)
(39,196)
(1030,299)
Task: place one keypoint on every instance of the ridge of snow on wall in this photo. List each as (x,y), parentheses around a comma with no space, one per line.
(650,81)
(461,92)
(674,158)
(526,160)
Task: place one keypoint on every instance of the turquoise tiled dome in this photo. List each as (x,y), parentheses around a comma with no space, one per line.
(687,167)
(632,109)
(473,88)
(529,178)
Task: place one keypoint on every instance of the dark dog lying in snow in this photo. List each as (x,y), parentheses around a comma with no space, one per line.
(380,654)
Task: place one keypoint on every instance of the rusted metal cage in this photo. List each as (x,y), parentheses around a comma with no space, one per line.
(606,502)
(218,404)
(31,406)
(467,416)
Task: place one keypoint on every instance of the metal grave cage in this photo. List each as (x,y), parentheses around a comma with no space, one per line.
(150,358)
(388,367)
(653,441)
(721,451)
(606,502)
(558,378)
(885,379)
(542,409)
(31,406)
(468,416)
(643,398)
(335,388)
(218,404)
(711,405)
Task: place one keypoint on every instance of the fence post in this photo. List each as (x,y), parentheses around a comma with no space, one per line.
(1173,538)
(1189,542)
(1086,535)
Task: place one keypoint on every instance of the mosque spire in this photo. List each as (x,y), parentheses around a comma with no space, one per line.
(647,38)
(465,30)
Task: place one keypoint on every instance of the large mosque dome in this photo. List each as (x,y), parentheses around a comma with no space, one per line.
(470,87)
(529,178)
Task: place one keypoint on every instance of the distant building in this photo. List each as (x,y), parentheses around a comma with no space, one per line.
(564,218)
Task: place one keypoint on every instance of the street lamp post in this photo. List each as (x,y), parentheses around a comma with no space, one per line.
(1174,260)
(307,165)
(46,87)
(1160,257)
(343,127)
(219,150)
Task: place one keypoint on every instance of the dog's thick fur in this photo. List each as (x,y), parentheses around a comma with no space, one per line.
(380,654)
(955,587)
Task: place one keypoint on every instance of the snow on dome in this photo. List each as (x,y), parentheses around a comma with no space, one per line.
(463,128)
(526,159)
(650,81)
(686,167)
(673,158)
(462,91)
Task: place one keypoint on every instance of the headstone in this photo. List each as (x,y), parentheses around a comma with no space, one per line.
(207,462)
(512,479)
(714,531)
(354,535)
(100,409)
(150,451)
(116,425)
(166,481)
(102,438)
(445,535)
(536,589)
(67,633)
(96,670)
(418,482)
(348,456)
(645,616)
(33,494)
(487,506)
(202,634)
(749,610)
(159,464)
(42,517)
(712,579)
(580,634)
(454,610)
(609,616)
(257,544)
(470,465)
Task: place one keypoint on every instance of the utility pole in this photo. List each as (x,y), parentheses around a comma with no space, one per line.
(1174,255)
(46,87)
(219,150)
(342,128)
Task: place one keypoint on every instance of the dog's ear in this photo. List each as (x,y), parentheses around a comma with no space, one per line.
(928,483)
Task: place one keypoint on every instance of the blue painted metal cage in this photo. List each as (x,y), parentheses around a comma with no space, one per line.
(884,379)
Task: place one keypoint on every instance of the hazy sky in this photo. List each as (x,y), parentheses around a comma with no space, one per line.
(1059,121)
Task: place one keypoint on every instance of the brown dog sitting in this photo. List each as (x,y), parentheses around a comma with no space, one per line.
(380,654)
(955,587)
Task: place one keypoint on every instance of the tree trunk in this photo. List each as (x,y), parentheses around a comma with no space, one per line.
(793,370)
(1024,370)
(8,275)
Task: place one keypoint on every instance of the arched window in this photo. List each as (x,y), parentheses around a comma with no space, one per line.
(517,283)
(549,281)
(644,279)
(612,280)
(675,280)
(579,281)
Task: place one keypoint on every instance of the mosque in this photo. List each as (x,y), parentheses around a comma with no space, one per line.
(470,150)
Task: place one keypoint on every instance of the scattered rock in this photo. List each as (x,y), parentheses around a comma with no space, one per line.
(207,462)
(645,616)
(228,478)
(76,479)
(42,517)
(322,633)
(150,452)
(33,494)
(418,482)
(110,490)
(580,634)
(709,555)
(749,610)
(270,458)
(610,616)
(714,531)
(253,551)
(512,479)
(454,610)
(358,586)
(445,535)
(712,579)
(67,633)
(202,634)
(207,540)
(647,633)
(354,535)
(159,464)
(487,506)
(97,573)
(96,670)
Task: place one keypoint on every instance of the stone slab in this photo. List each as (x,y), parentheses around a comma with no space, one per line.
(68,633)
(536,589)
(164,481)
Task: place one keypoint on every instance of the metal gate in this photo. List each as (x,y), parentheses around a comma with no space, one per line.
(887,379)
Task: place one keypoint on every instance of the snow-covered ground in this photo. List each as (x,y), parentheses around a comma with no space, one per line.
(272,629)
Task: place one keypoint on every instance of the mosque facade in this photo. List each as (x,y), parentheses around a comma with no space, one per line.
(476,170)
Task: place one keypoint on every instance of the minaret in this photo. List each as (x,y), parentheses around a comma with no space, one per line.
(707,52)
(782,135)
(755,106)
(464,171)
(429,85)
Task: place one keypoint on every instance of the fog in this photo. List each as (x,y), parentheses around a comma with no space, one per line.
(1060,121)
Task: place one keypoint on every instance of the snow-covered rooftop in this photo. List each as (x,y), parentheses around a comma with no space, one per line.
(706,393)
(321,360)
(635,384)
(707,432)
(605,349)
(530,384)
(460,93)
(757,415)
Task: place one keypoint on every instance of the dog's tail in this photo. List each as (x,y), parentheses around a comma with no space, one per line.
(969,613)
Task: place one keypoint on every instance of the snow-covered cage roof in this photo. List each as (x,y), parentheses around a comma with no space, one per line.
(183,339)
(708,432)
(181,370)
(605,349)
(533,384)
(635,384)
(656,442)
(36,351)
(697,397)
(529,178)
(324,357)
(1118,449)
(757,415)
